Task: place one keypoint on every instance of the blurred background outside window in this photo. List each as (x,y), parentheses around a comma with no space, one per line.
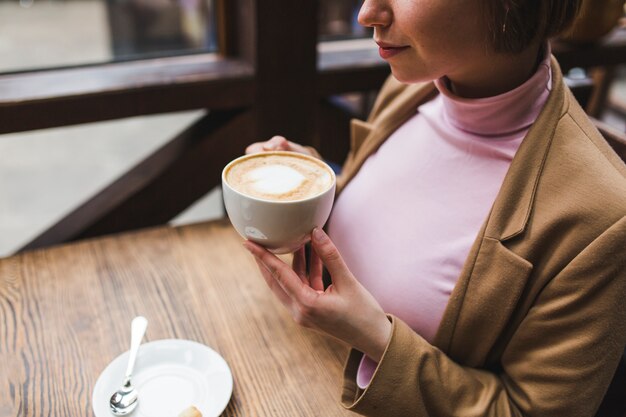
(338,20)
(37,34)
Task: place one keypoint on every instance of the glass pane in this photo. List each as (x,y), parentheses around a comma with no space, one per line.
(338,20)
(36,34)
(45,174)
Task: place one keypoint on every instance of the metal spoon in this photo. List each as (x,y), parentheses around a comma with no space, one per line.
(126,398)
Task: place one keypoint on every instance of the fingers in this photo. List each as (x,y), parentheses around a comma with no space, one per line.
(316,270)
(299,264)
(254,148)
(296,147)
(312,277)
(279,271)
(273,285)
(330,257)
(277,143)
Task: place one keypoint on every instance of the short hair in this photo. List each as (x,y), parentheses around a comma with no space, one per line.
(515,24)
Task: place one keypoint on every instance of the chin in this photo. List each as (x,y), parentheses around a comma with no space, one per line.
(408,77)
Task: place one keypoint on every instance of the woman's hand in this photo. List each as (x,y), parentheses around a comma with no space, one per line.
(277,143)
(345,310)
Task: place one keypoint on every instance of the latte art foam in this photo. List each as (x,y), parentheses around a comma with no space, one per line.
(282,177)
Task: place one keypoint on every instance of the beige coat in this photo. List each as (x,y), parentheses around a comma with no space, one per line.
(537,321)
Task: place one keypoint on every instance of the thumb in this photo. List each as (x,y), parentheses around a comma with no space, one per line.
(276,143)
(330,257)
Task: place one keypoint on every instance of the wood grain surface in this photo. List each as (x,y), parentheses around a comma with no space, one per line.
(65,313)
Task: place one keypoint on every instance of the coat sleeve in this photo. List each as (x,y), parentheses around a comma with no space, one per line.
(558,362)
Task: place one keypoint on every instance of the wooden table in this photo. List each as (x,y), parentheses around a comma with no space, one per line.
(65,313)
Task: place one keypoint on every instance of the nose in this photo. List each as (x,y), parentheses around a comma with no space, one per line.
(375,13)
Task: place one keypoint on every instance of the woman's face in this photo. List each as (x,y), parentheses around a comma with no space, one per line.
(426,39)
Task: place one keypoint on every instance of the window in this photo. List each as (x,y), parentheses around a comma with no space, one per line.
(38,34)
(338,20)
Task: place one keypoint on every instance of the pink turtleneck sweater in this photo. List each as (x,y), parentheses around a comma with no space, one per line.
(405,224)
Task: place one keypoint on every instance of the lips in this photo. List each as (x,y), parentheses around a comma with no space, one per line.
(387,50)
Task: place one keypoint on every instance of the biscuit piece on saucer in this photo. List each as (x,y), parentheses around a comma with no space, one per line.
(190,412)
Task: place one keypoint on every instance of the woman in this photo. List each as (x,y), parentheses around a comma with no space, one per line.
(476,245)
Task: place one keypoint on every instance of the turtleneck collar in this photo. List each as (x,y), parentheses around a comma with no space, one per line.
(500,115)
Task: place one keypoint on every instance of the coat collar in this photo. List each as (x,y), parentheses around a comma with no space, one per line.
(377,129)
(508,218)
(513,205)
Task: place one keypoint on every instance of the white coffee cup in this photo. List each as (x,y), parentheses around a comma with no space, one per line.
(282,226)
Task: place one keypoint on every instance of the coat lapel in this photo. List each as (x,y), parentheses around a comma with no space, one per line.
(366,139)
(493,277)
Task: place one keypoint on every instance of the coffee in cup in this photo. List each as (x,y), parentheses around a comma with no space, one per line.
(279,177)
(277,198)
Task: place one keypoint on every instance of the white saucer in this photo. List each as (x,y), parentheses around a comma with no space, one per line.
(171,375)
